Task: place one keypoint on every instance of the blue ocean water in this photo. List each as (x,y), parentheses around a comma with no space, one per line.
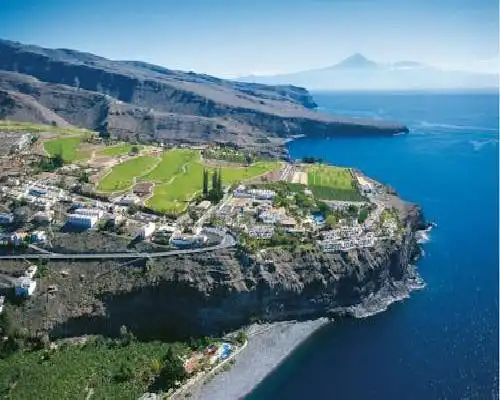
(442,343)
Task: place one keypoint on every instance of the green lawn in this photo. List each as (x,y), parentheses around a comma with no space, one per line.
(16,126)
(325,175)
(67,147)
(171,164)
(173,197)
(122,176)
(332,183)
(118,150)
(70,372)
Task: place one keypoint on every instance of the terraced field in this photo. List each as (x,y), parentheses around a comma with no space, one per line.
(67,147)
(170,165)
(118,150)
(121,177)
(177,177)
(173,195)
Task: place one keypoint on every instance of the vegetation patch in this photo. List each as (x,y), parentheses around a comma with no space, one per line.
(230,155)
(122,176)
(98,370)
(173,197)
(66,147)
(332,183)
(16,126)
(171,164)
(120,149)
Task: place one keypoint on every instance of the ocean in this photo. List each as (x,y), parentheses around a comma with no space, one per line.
(442,343)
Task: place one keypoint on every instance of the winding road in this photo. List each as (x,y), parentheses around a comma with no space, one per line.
(227,241)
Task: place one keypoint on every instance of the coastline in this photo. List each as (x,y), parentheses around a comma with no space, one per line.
(268,346)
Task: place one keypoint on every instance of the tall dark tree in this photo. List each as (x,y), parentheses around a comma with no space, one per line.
(214,184)
(205,183)
(219,185)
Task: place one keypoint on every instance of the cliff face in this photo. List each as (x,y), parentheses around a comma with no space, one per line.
(189,295)
(129,98)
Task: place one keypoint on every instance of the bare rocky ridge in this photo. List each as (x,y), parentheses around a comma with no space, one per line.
(129,98)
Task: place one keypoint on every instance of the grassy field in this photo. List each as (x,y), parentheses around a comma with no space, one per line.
(15,126)
(67,147)
(118,150)
(332,183)
(171,164)
(173,197)
(325,175)
(70,372)
(122,176)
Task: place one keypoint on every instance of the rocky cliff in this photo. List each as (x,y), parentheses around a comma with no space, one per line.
(182,296)
(129,98)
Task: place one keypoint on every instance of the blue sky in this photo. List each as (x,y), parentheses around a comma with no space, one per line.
(239,37)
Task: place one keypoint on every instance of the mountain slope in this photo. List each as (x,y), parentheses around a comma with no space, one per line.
(131,98)
(359,73)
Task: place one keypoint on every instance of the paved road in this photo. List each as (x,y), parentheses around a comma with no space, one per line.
(227,241)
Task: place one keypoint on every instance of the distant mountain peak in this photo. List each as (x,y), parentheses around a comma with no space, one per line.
(357,60)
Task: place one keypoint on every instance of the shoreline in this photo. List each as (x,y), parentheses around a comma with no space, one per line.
(268,346)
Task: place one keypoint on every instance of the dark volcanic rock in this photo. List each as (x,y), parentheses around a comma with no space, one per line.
(129,98)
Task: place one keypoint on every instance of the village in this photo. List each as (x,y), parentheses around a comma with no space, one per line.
(294,205)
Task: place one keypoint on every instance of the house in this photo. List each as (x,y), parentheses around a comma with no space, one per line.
(241,192)
(38,237)
(271,216)
(83,221)
(25,287)
(127,200)
(261,231)
(288,222)
(95,212)
(6,219)
(179,239)
(17,238)
(147,230)
(262,194)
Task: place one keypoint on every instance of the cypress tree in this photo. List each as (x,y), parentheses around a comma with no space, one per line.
(219,185)
(205,183)
(214,185)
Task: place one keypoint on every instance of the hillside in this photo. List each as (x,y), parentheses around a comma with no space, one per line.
(136,99)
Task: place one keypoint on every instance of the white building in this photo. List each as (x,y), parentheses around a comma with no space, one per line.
(179,239)
(25,287)
(262,194)
(83,221)
(147,230)
(38,236)
(95,212)
(261,231)
(6,218)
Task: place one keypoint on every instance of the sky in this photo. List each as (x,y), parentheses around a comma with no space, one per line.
(230,38)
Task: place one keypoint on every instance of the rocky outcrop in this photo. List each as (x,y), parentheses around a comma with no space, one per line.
(129,98)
